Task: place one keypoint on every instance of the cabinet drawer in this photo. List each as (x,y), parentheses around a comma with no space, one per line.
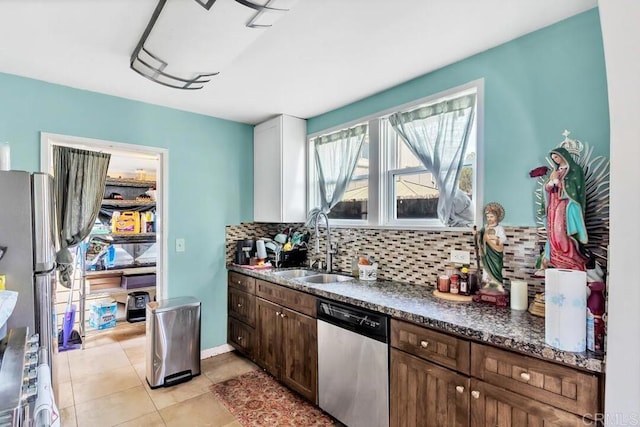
(242,306)
(290,298)
(492,406)
(242,337)
(242,282)
(547,382)
(437,347)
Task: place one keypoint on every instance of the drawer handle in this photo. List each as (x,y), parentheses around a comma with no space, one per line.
(460,389)
(239,305)
(277,313)
(424,344)
(525,376)
(239,338)
(475,394)
(283,315)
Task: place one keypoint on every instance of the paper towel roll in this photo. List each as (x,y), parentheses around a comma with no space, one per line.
(261,249)
(519,299)
(565,300)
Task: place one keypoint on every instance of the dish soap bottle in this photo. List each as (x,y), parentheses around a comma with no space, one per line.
(595,321)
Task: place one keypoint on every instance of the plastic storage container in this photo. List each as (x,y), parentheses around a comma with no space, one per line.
(127,223)
(172,353)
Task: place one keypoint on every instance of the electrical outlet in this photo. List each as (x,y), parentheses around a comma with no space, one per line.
(179,245)
(460,257)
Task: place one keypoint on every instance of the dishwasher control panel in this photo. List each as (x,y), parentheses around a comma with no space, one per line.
(360,320)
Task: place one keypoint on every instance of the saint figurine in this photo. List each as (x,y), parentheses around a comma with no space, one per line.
(564,201)
(490,241)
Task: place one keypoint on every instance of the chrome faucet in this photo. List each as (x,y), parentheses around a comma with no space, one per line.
(329,256)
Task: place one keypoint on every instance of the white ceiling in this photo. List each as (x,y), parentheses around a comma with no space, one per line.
(321,55)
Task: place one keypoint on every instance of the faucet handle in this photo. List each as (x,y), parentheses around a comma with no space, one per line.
(334,248)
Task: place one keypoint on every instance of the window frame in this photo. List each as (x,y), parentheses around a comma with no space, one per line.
(381,203)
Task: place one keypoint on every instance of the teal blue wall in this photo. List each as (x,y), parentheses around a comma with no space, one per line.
(210,172)
(535,87)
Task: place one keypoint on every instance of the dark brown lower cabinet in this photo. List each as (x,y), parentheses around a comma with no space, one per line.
(241,337)
(493,406)
(441,381)
(424,394)
(288,347)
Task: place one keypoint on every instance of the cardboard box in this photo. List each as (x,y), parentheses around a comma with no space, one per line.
(102,313)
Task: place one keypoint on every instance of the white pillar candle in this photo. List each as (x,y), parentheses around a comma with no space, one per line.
(519,295)
(5,157)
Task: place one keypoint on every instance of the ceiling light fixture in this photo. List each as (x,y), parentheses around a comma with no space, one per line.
(186,42)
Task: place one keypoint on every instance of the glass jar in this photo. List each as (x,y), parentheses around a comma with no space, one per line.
(454,286)
(443,283)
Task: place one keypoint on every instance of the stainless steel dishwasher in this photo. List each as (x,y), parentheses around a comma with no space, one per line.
(353,364)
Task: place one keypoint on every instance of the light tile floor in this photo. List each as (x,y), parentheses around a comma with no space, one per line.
(105,385)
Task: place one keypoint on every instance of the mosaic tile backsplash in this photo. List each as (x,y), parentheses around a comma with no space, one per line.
(411,256)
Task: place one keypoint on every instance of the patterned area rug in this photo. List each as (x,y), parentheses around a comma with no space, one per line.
(256,399)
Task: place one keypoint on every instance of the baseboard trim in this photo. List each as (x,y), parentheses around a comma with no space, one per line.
(210,352)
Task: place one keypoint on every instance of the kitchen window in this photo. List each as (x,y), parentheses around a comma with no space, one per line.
(416,166)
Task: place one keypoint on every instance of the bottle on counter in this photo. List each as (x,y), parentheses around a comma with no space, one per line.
(595,320)
(464,281)
(454,286)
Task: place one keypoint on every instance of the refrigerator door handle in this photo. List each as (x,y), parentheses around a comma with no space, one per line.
(45,314)
(44,225)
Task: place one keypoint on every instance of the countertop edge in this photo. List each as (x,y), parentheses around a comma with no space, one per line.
(586,361)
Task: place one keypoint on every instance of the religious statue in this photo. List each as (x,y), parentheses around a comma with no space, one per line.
(565,200)
(490,242)
(573,207)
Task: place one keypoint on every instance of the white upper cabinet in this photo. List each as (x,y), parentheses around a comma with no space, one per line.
(279,170)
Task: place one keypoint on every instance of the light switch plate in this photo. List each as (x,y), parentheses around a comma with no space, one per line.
(460,257)
(179,245)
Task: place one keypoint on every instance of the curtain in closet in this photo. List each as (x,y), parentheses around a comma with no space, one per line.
(79,177)
(438,135)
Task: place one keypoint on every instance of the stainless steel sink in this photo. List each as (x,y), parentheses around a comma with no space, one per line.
(294,274)
(326,278)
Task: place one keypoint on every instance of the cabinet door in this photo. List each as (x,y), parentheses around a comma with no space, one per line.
(268,330)
(241,337)
(267,171)
(424,394)
(492,406)
(242,306)
(300,353)
(279,174)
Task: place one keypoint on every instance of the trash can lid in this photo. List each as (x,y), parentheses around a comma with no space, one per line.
(172,304)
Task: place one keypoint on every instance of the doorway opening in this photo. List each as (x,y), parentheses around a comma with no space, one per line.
(119,264)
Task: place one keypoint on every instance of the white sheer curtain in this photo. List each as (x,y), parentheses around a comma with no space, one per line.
(336,157)
(438,135)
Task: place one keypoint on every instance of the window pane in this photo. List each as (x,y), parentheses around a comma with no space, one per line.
(404,156)
(416,196)
(354,202)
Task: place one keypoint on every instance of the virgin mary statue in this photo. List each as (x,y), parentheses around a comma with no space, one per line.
(565,199)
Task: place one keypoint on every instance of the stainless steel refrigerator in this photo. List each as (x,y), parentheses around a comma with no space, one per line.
(28,231)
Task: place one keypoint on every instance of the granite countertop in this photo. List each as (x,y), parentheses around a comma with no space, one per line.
(511,329)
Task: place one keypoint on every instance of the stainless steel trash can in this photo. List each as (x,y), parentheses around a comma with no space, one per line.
(172,341)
